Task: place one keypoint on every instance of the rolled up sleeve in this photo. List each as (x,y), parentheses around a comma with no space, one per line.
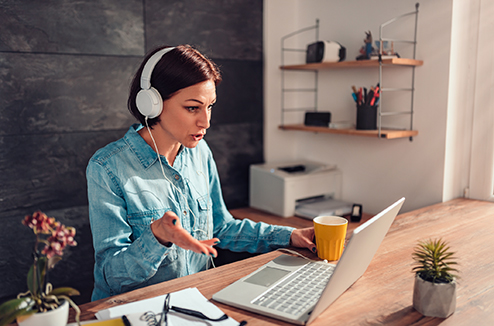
(120,263)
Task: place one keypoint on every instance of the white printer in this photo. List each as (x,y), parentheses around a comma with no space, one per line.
(277,187)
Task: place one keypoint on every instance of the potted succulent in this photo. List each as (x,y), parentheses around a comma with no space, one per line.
(434,292)
(41,302)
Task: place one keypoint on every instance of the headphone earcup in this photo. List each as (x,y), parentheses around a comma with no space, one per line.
(149,102)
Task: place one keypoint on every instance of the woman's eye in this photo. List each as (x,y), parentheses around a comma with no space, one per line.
(192,108)
(210,107)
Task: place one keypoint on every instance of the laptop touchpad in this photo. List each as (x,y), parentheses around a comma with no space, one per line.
(267,276)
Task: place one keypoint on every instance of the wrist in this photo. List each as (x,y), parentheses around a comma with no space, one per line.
(156,230)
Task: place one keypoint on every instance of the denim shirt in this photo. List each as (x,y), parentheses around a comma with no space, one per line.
(127,192)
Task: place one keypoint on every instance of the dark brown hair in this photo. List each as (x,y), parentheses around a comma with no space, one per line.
(182,67)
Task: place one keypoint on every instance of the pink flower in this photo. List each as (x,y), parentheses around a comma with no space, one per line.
(60,235)
(69,236)
(39,222)
(54,248)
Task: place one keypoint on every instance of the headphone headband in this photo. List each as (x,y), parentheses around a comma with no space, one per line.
(148,100)
(149,66)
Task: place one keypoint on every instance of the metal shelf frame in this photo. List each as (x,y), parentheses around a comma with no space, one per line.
(314,68)
(285,90)
(380,112)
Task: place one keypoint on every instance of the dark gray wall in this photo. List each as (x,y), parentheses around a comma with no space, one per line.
(65,69)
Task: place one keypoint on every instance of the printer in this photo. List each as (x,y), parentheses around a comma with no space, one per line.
(279,187)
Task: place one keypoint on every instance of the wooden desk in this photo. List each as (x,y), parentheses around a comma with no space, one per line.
(293,221)
(383,295)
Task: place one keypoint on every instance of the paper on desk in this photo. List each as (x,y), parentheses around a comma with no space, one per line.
(189,298)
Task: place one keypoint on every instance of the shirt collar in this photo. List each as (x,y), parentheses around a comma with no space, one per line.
(144,153)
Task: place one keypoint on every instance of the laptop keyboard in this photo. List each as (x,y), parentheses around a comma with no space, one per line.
(299,291)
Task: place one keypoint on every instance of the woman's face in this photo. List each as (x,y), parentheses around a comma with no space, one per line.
(186,114)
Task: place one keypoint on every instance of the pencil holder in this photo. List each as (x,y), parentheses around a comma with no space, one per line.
(366,117)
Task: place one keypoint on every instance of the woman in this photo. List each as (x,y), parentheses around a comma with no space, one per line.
(155,203)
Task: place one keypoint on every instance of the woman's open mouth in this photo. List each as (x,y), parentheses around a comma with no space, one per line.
(198,137)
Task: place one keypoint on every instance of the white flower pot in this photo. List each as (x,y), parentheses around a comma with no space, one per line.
(57,317)
(434,299)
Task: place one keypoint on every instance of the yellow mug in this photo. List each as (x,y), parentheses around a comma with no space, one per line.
(330,232)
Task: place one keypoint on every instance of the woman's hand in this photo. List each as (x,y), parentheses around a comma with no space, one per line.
(168,229)
(303,238)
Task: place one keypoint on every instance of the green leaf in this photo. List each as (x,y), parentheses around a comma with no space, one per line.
(36,276)
(434,260)
(14,308)
(64,291)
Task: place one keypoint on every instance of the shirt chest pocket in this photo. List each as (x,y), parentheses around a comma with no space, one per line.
(140,222)
(202,203)
(200,223)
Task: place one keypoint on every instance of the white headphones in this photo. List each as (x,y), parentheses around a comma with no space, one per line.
(148,100)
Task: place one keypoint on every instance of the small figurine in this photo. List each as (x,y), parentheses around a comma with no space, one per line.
(367,49)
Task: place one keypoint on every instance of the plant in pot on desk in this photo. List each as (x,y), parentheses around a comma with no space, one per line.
(434,292)
(41,304)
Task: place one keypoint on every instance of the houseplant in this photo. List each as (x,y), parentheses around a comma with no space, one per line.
(51,239)
(434,292)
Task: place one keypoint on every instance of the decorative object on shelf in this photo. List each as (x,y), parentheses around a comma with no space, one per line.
(325,51)
(366,107)
(383,52)
(366,50)
(434,292)
(366,117)
(41,304)
(321,119)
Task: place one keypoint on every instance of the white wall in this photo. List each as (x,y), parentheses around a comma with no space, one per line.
(375,172)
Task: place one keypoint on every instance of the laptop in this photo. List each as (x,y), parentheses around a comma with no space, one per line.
(258,292)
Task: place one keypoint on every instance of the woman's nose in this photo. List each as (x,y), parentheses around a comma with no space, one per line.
(203,119)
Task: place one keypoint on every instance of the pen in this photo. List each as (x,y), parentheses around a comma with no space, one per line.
(370,97)
(355,94)
(126,321)
(376,96)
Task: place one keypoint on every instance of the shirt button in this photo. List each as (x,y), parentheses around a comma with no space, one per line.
(177,177)
(185,212)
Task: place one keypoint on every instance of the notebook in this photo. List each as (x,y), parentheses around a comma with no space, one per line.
(252,291)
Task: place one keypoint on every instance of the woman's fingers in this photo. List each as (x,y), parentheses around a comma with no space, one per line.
(303,238)
(183,239)
(168,229)
(211,242)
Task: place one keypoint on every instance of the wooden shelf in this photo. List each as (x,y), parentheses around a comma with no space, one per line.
(356,64)
(385,133)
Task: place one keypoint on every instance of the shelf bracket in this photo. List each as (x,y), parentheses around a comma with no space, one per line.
(284,49)
(381,42)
